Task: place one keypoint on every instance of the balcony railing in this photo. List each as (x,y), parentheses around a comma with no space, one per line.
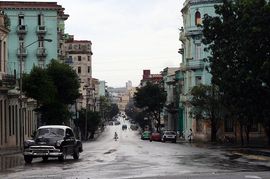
(41,29)
(24,52)
(41,52)
(7,81)
(194,64)
(182,36)
(22,29)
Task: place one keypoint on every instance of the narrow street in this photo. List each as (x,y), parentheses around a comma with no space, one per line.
(131,157)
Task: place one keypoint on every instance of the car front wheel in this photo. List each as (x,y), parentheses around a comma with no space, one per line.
(28,159)
(76,154)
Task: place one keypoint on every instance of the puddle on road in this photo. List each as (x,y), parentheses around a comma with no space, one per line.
(228,162)
(110,151)
(10,161)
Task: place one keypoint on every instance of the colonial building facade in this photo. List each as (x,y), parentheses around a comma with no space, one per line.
(192,68)
(32,25)
(193,72)
(17,118)
(79,56)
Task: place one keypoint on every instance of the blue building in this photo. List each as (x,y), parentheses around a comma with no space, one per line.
(30,24)
(192,68)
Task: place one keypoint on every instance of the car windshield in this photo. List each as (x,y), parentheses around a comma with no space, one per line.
(50,132)
(170,133)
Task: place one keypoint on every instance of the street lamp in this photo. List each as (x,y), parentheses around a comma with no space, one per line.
(22,48)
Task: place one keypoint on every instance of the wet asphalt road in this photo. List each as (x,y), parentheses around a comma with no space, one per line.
(131,157)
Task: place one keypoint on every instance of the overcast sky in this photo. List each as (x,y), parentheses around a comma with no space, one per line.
(127,35)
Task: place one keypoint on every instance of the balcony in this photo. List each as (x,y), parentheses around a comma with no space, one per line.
(24,52)
(21,29)
(194,64)
(41,30)
(183,67)
(182,36)
(193,31)
(8,81)
(42,52)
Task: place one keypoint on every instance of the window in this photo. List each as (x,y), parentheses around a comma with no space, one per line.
(79,70)
(5,56)
(228,125)
(1,122)
(40,19)
(0,55)
(198,80)
(199,125)
(254,128)
(79,58)
(9,119)
(40,43)
(21,19)
(69,133)
(198,20)
(198,52)
(88,58)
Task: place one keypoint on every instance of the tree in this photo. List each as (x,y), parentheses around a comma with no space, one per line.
(151,98)
(238,42)
(54,88)
(66,81)
(93,121)
(39,86)
(207,105)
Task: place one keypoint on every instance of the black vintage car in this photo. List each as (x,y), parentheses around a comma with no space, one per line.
(52,141)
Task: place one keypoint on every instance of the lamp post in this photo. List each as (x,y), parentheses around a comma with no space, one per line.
(22,48)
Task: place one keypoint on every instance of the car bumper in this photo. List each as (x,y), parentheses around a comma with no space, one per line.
(41,152)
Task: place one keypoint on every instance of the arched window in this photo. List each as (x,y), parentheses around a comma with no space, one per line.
(198,19)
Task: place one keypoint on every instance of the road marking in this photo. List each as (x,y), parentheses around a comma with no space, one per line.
(253,177)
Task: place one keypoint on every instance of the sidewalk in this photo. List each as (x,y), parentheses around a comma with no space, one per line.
(252,152)
(9,151)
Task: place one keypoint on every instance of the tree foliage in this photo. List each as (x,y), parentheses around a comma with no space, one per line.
(54,88)
(151,98)
(207,105)
(93,122)
(238,43)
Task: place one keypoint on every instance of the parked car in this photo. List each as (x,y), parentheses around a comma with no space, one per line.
(145,135)
(52,141)
(117,123)
(124,127)
(134,127)
(168,136)
(155,136)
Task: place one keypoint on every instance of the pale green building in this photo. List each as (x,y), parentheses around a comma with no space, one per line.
(192,68)
(30,22)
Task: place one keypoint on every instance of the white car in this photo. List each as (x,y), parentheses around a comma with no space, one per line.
(168,136)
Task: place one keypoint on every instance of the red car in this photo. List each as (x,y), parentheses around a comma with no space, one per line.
(155,136)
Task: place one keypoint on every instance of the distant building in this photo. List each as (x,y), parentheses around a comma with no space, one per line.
(102,88)
(148,77)
(170,112)
(79,56)
(128,85)
(30,22)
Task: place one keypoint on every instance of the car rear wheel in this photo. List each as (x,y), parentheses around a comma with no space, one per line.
(76,154)
(28,159)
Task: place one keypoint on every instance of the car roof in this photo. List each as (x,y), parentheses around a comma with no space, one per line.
(55,126)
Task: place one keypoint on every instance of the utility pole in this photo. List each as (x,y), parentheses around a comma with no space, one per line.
(20,100)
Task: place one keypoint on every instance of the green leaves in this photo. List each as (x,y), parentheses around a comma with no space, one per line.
(238,39)
(54,88)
